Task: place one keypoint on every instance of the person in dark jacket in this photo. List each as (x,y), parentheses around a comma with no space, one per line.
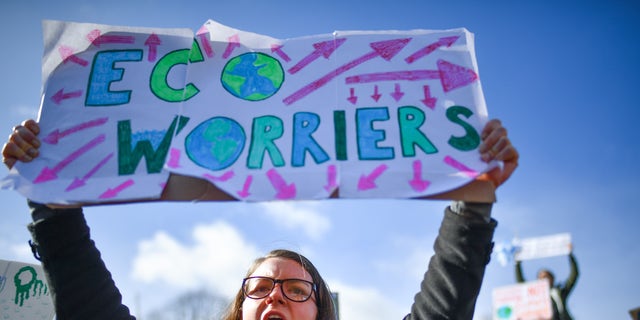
(281,285)
(559,292)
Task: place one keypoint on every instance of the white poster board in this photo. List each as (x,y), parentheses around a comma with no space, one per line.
(525,301)
(543,247)
(373,114)
(24,293)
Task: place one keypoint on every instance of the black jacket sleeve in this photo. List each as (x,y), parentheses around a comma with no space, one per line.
(80,284)
(452,282)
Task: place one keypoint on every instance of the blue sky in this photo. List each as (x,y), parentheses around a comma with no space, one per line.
(561,75)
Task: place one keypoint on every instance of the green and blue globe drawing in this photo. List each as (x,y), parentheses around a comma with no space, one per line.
(216,143)
(252,76)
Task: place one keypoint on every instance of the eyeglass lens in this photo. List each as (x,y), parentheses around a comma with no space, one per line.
(294,289)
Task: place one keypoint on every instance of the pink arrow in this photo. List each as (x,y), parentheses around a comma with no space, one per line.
(277,49)
(77,183)
(285,191)
(442,42)
(112,193)
(67,55)
(174,158)
(98,39)
(352,98)
(204,41)
(50,174)
(397,94)
(461,167)
(376,95)
(325,49)
(60,95)
(332,175)
(367,182)
(417,183)
(234,42)
(451,76)
(224,177)
(384,49)
(245,188)
(56,135)
(153,41)
(428,100)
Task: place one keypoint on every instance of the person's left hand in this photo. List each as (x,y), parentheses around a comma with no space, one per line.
(497,146)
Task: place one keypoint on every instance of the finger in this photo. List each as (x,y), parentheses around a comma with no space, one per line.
(25,138)
(11,153)
(32,125)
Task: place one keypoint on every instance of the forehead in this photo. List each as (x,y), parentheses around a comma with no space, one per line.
(281,268)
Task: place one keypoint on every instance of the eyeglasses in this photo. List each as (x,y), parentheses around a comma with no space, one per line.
(297,290)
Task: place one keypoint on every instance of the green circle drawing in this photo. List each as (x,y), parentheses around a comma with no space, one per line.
(252,76)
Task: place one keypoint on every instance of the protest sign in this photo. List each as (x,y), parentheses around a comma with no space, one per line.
(543,247)
(367,114)
(24,293)
(525,301)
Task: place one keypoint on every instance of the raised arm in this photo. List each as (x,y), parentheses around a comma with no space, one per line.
(79,282)
(463,247)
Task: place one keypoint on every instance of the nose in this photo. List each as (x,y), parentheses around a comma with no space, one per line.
(276,295)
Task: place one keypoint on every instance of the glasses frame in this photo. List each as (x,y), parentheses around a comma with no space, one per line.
(281,282)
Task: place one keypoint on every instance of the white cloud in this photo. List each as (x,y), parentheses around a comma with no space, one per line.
(298,216)
(357,303)
(217,259)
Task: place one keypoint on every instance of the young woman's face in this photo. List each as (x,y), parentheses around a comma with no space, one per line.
(276,305)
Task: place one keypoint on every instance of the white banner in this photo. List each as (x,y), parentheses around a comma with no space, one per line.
(543,247)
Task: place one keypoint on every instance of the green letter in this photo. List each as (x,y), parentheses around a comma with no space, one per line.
(410,119)
(129,156)
(159,83)
(265,130)
(471,140)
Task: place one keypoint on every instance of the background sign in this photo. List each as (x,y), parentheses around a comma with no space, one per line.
(24,293)
(543,247)
(525,301)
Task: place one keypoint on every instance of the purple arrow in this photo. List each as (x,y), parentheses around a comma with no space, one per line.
(461,167)
(397,94)
(174,158)
(352,97)
(417,183)
(277,49)
(56,135)
(204,41)
(112,193)
(67,55)
(442,42)
(50,174)
(60,95)
(98,39)
(245,187)
(325,49)
(332,175)
(224,177)
(367,182)
(153,41)
(376,95)
(428,100)
(234,42)
(384,49)
(284,190)
(451,76)
(77,183)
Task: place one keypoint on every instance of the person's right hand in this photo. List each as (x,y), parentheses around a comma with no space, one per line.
(23,144)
